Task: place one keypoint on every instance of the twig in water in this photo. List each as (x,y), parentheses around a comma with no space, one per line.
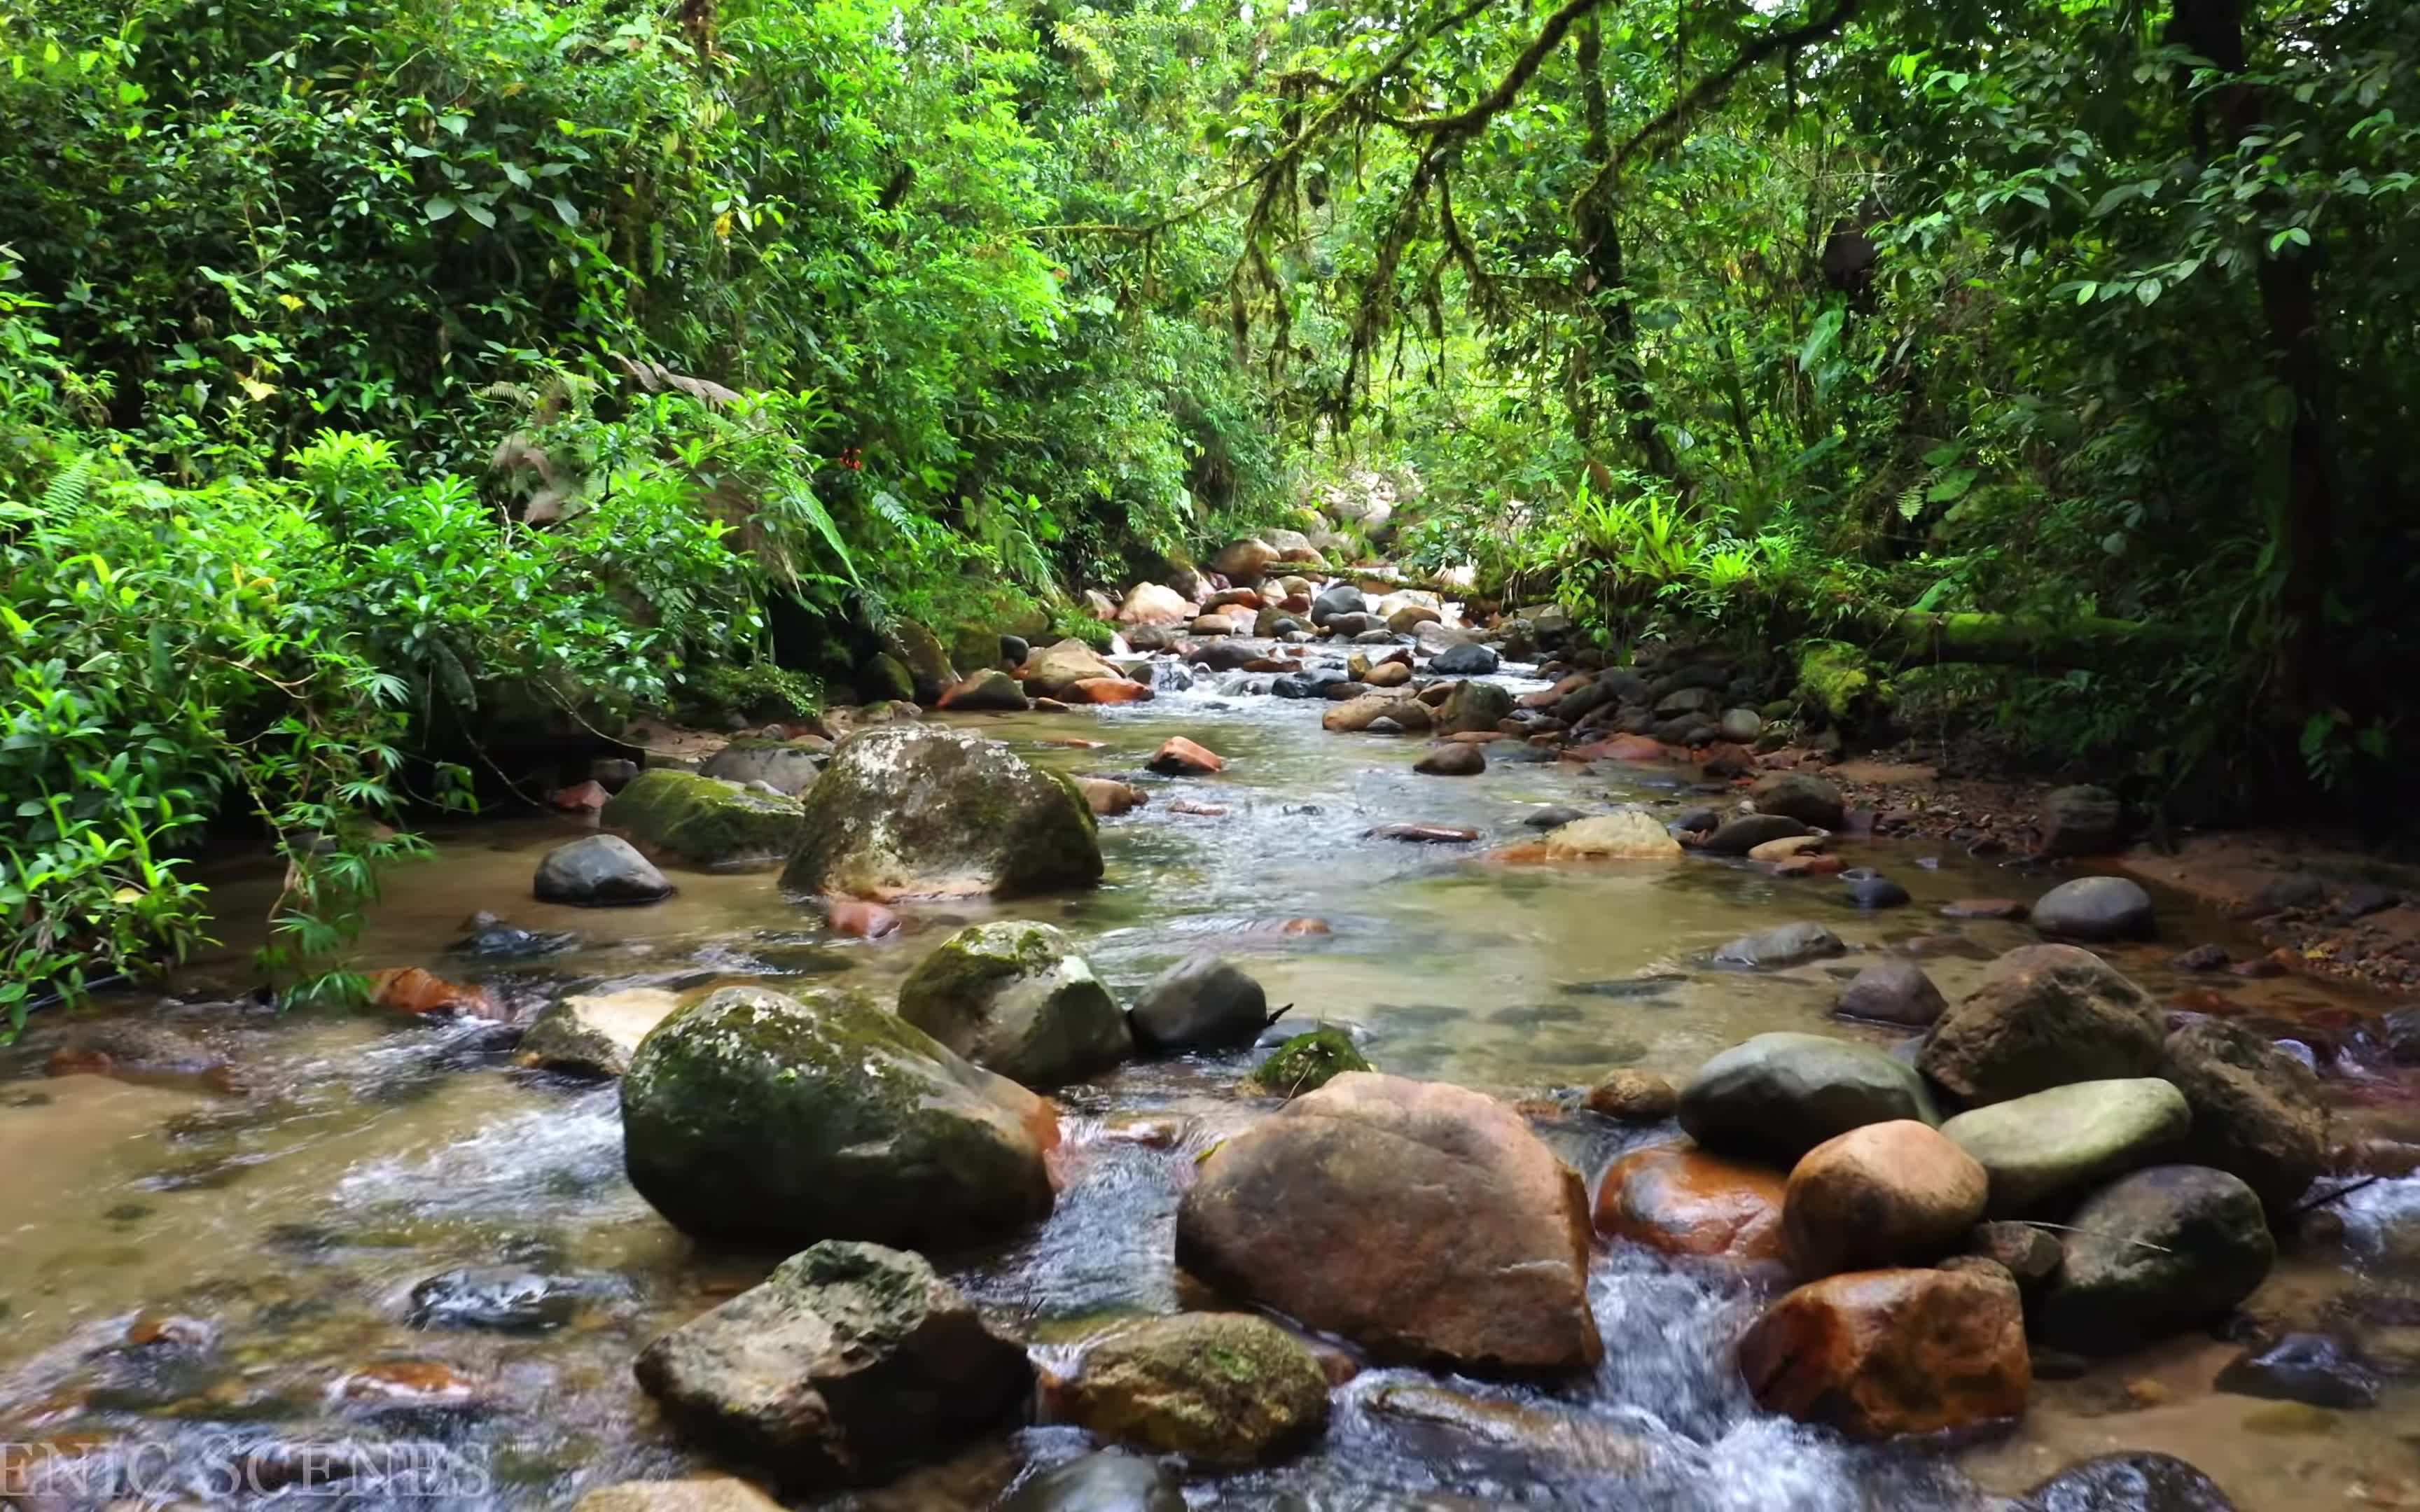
(2071,1229)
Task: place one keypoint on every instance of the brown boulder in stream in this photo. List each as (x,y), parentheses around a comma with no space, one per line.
(1877,1355)
(1424,1221)
(2044,1015)
(1685,1201)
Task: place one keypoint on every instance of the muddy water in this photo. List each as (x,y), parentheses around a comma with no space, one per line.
(200,1289)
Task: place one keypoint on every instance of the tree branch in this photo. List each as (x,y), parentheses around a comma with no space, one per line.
(1477,114)
(1709,90)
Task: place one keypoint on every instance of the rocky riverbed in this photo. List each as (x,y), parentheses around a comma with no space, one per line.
(1544,1256)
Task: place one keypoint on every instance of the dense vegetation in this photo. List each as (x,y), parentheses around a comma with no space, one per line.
(377,373)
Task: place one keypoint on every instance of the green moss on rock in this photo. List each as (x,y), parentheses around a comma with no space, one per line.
(1220,1386)
(1307,1062)
(702,821)
(1016,998)
(763,1118)
(910,810)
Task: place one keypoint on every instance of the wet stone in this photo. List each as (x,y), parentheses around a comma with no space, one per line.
(506,1299)
(2317,1369)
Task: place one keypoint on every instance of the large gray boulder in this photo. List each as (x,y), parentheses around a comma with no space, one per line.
(913,810)
(1016,998)
(1777,1096)
(2044,1015)
(2096,909)
(2257,1111)
(788,766)
(1737,836)
(599,871)
(2155,1253)
(706,822)
(2051,1145)
(848,1363)
(763,1120)
(1202,1003)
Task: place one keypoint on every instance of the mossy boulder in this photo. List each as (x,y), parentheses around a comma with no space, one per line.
(1016,998)
(758,1118)
(1220,1386)
(919,651)
(704,820)
(1307,1062)
(911,810)
(849,1363)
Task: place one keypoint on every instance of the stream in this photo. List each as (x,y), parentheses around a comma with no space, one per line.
(205,1294)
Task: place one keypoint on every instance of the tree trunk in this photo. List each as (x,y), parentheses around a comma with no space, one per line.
(1597,239)
(2301,530)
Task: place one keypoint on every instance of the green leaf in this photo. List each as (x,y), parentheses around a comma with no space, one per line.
(562,211)
(479,212)
(438,208)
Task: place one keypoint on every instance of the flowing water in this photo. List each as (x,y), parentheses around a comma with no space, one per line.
(207,1296)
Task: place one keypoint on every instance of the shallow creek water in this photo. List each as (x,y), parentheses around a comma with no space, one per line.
(192,1280)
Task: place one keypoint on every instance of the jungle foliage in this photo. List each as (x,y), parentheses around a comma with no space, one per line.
(371,368)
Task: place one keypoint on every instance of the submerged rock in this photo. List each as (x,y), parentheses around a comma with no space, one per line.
(1452,759)
(2316,1369)
(1685,1201)
(1107,1480)
(2044,1015)
(1777,1096)
(2153,1254)
(598,871)
(1883,1194)
(847,1362)
(1230,1387)
(2134,1481)
(507,1299)
(699,1493)
(1424,1221)
(905,811)
(759,1118)
(1624,835)
(2054,1144)
(1784,945)
(1880,1354)
(1202,1002)
(1016,998)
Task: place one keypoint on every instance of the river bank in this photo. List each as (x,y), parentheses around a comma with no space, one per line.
(199,1272)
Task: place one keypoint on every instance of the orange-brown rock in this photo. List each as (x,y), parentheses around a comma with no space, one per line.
(1424,1221)
(1885,1194)
(859,919)
(1108,690)
(411,990)
(1810,866)
(1178,754)
(1685,1201)
(1876,1355)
